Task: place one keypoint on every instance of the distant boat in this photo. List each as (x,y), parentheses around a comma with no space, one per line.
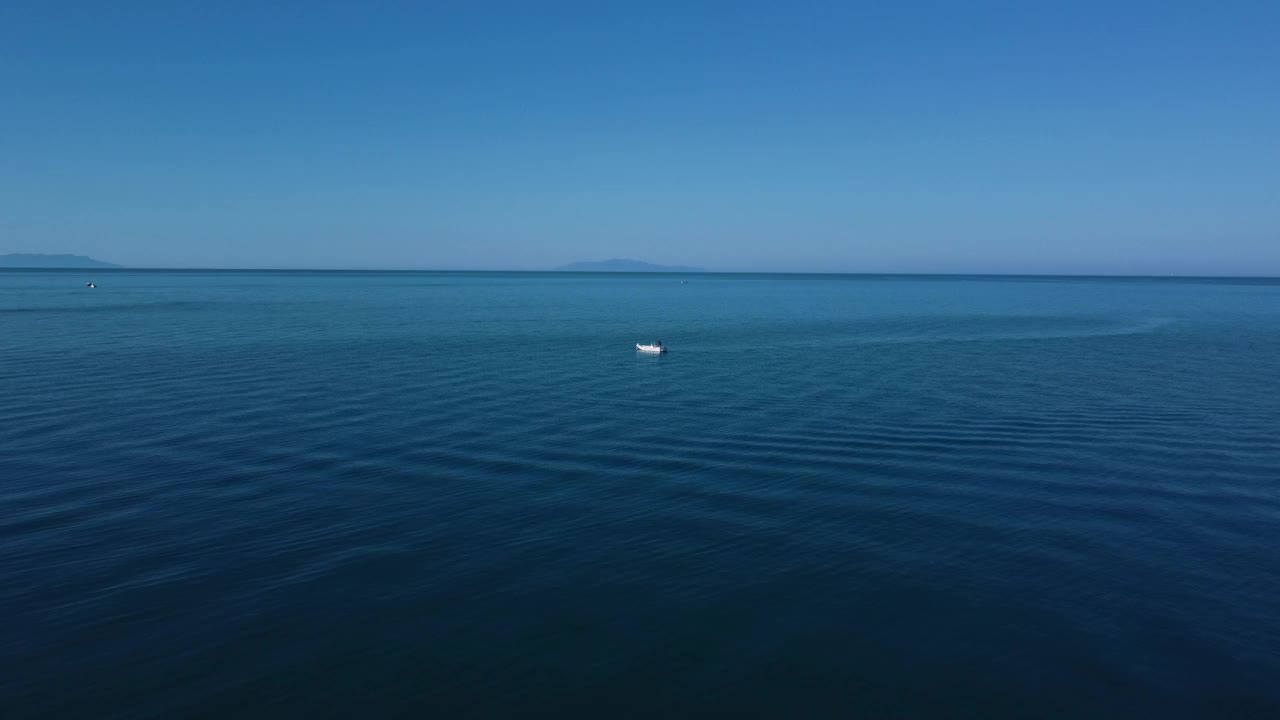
(684,282)
(657,347)
(90,284)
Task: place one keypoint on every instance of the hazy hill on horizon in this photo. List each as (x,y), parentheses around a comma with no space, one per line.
(38,260)
(625,265)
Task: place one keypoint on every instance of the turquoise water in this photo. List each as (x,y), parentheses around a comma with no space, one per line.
(465,494)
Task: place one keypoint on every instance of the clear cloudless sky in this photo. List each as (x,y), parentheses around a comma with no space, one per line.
(1067,137)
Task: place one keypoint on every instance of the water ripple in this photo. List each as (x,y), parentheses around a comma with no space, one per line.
(467,494)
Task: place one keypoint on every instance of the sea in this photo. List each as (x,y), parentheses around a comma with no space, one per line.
(466,494)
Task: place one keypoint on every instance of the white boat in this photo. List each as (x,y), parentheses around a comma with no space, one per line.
(651,348)
(90,284)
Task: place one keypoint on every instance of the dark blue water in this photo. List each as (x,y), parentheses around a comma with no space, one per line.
(449,495)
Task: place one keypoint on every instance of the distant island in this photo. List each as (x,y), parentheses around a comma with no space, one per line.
(624,265)
(28,260)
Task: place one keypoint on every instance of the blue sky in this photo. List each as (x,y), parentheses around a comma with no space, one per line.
(1082,137)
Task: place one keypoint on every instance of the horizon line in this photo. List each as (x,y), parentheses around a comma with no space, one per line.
(645,272)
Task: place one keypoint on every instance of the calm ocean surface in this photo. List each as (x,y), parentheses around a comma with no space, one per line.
(235,494)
